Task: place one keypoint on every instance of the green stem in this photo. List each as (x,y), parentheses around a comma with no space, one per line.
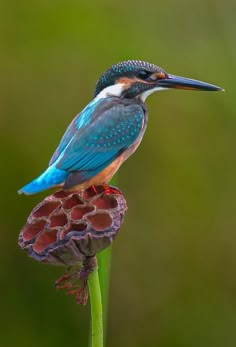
(104,261)
(96,309)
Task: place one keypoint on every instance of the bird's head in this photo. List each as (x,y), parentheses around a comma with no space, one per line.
(135,78)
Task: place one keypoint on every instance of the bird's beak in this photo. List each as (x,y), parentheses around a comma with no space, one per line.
(173,81)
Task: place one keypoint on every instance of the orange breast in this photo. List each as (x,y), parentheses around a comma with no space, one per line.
(106,174)
(102,177)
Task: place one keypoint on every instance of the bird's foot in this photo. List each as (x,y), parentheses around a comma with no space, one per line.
(111,190)
(94,189)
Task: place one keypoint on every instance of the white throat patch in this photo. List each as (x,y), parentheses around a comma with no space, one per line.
(145,94)
(114,90)
(118,88)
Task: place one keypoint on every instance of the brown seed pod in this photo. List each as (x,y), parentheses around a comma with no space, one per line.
(66,228)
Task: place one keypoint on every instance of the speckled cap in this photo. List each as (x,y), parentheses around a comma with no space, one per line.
(126,68)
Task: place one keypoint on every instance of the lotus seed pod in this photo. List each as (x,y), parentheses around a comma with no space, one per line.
(66,228)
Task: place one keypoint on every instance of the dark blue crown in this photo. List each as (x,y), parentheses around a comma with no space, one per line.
(127,68)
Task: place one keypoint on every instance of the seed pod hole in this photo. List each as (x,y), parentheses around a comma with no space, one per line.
(78,211)
(80,227)
(71,202)
(105,202)
(45,209)
(61,194)
(100,221)
(44,240)
(91,192)
(58,220)
(31,230)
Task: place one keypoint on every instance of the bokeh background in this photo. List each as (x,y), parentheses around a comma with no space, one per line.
(173,280)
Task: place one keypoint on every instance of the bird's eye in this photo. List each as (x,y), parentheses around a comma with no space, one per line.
(143,74)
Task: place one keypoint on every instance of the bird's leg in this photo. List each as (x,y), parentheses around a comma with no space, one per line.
(93,188)
(111,190)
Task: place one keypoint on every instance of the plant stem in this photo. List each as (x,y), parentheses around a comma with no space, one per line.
(96,309)
(104,261)
(104,265)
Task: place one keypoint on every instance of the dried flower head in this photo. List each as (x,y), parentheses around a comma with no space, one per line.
(67,227)
(70,228)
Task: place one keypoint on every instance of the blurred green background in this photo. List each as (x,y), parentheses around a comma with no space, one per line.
(173,271)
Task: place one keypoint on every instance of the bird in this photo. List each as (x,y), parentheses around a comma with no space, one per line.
(110,128)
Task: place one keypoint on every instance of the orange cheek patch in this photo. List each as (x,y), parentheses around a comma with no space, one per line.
(160,75)
(125,81)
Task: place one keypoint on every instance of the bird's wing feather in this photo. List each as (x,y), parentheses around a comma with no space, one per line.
(98,143)
(80,121)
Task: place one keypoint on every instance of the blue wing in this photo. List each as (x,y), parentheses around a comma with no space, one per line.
(114,125)
(96,137)
(81,120)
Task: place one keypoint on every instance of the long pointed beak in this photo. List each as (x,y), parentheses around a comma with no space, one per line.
(186,83)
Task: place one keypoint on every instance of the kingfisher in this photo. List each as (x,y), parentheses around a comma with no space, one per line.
(110,128)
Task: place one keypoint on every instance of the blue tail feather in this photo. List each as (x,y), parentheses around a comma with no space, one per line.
(49,178)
